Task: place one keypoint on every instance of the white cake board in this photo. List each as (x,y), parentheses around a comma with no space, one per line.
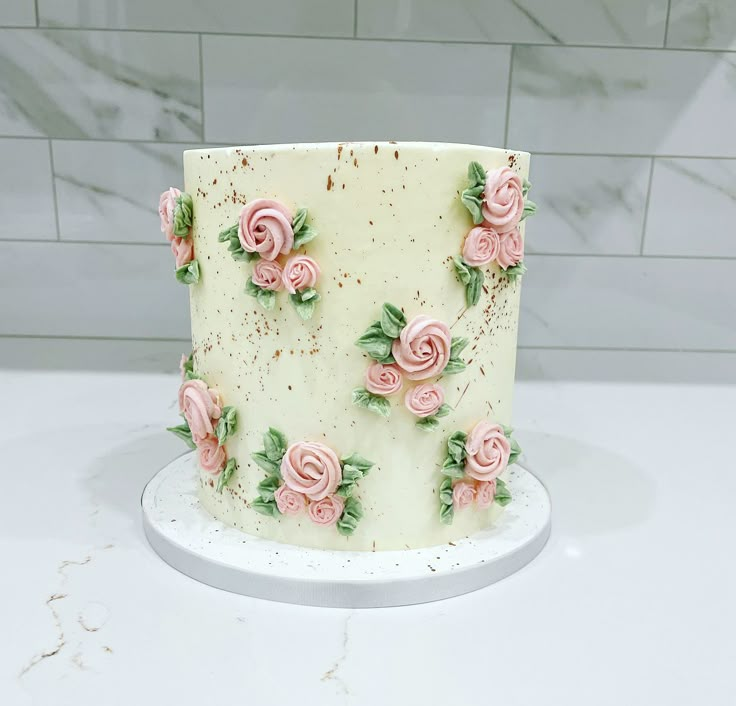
(192,541)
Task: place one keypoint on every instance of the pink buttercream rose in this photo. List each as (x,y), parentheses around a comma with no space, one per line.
(300,272)
(265,228)
(481,246)
(267,275)
(183,250)
(487,451)
(166,208)
(311,468)
(288,502)
(463,494)
(503,203)
(212,456)
(511,249)
(200,406)
(381,379)
(422,349)
(182,366)
(326,511)
(485,492)
(424,400)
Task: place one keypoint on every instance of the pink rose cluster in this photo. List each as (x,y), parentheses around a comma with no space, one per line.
(181,246)
(202,408)
(498,238)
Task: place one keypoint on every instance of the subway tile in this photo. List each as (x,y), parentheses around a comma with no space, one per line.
(623,101)
(109,85)
(108,191)
(26,191)
(311,90)
(564,364)
(692,208)
(324,18)
(628,302)
(587,205)
(702,24)
(17,13)
(597,22)
(65,289)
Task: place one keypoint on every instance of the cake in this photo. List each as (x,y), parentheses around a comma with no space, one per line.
(354,314)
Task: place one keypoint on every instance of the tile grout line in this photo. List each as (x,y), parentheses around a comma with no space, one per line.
(355,19)
(667,24)
(508,99)
(646,208)
(265,35)
(53,190)
(38,16)
(54,337)
(201,86)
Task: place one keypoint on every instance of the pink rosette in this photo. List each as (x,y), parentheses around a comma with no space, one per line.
(463,494)
(487,451)
(212,456)
(485,493)
(481,246)
(288,502)
(511,249)
(424,400)
(422,349)
(503,202)
(183,250)
(381,379)
(265,227)
(267,275)
(166,208)
(300,272)
(200,406)
(312,469)
(326,511)
(182,366)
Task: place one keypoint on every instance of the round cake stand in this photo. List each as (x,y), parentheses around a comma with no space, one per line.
(192,541)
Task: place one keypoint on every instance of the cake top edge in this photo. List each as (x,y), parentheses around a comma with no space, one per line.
(360,144)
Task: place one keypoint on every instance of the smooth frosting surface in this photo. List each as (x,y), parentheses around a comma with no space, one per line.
(388,218)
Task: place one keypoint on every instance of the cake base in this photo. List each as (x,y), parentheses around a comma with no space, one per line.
(188,538)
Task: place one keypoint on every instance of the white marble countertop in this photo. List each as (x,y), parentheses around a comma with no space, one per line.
(631,602)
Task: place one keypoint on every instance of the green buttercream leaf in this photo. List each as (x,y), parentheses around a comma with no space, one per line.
(476,174)
(251,288)
(525,186)
(443,411)
(266,463)
(392,320)
(454,366)
(226,475)
(530,208)
(267,299)
(456,446)
(473,204)
(446,491)
(376,343)
(474,287)
(183,215)
(305,307)
(462,270)
(299,220)
(268,508)
(275,444)
(189,273)
(191,375)
(226,425)
(345,490)
(351,515)
(427,424)
(357,461)
(228,234)
(516,271)
(502,496)
(268,487)
(308,294)
(457,346)
(374,403)
(189,364)
(507,431)
(447,513)
(350,476)
(184,433)
(515,451)
(452,469)
(304,236)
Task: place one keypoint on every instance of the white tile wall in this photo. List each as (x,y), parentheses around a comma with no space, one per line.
(314,89)
(26,190)
(632,255)
(621,22)
(692,208)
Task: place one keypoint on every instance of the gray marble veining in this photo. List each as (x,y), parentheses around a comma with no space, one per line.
(702,24)
(74,84)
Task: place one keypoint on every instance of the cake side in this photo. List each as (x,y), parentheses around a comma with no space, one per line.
(390,219)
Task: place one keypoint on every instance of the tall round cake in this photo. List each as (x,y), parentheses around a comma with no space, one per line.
(354,316)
